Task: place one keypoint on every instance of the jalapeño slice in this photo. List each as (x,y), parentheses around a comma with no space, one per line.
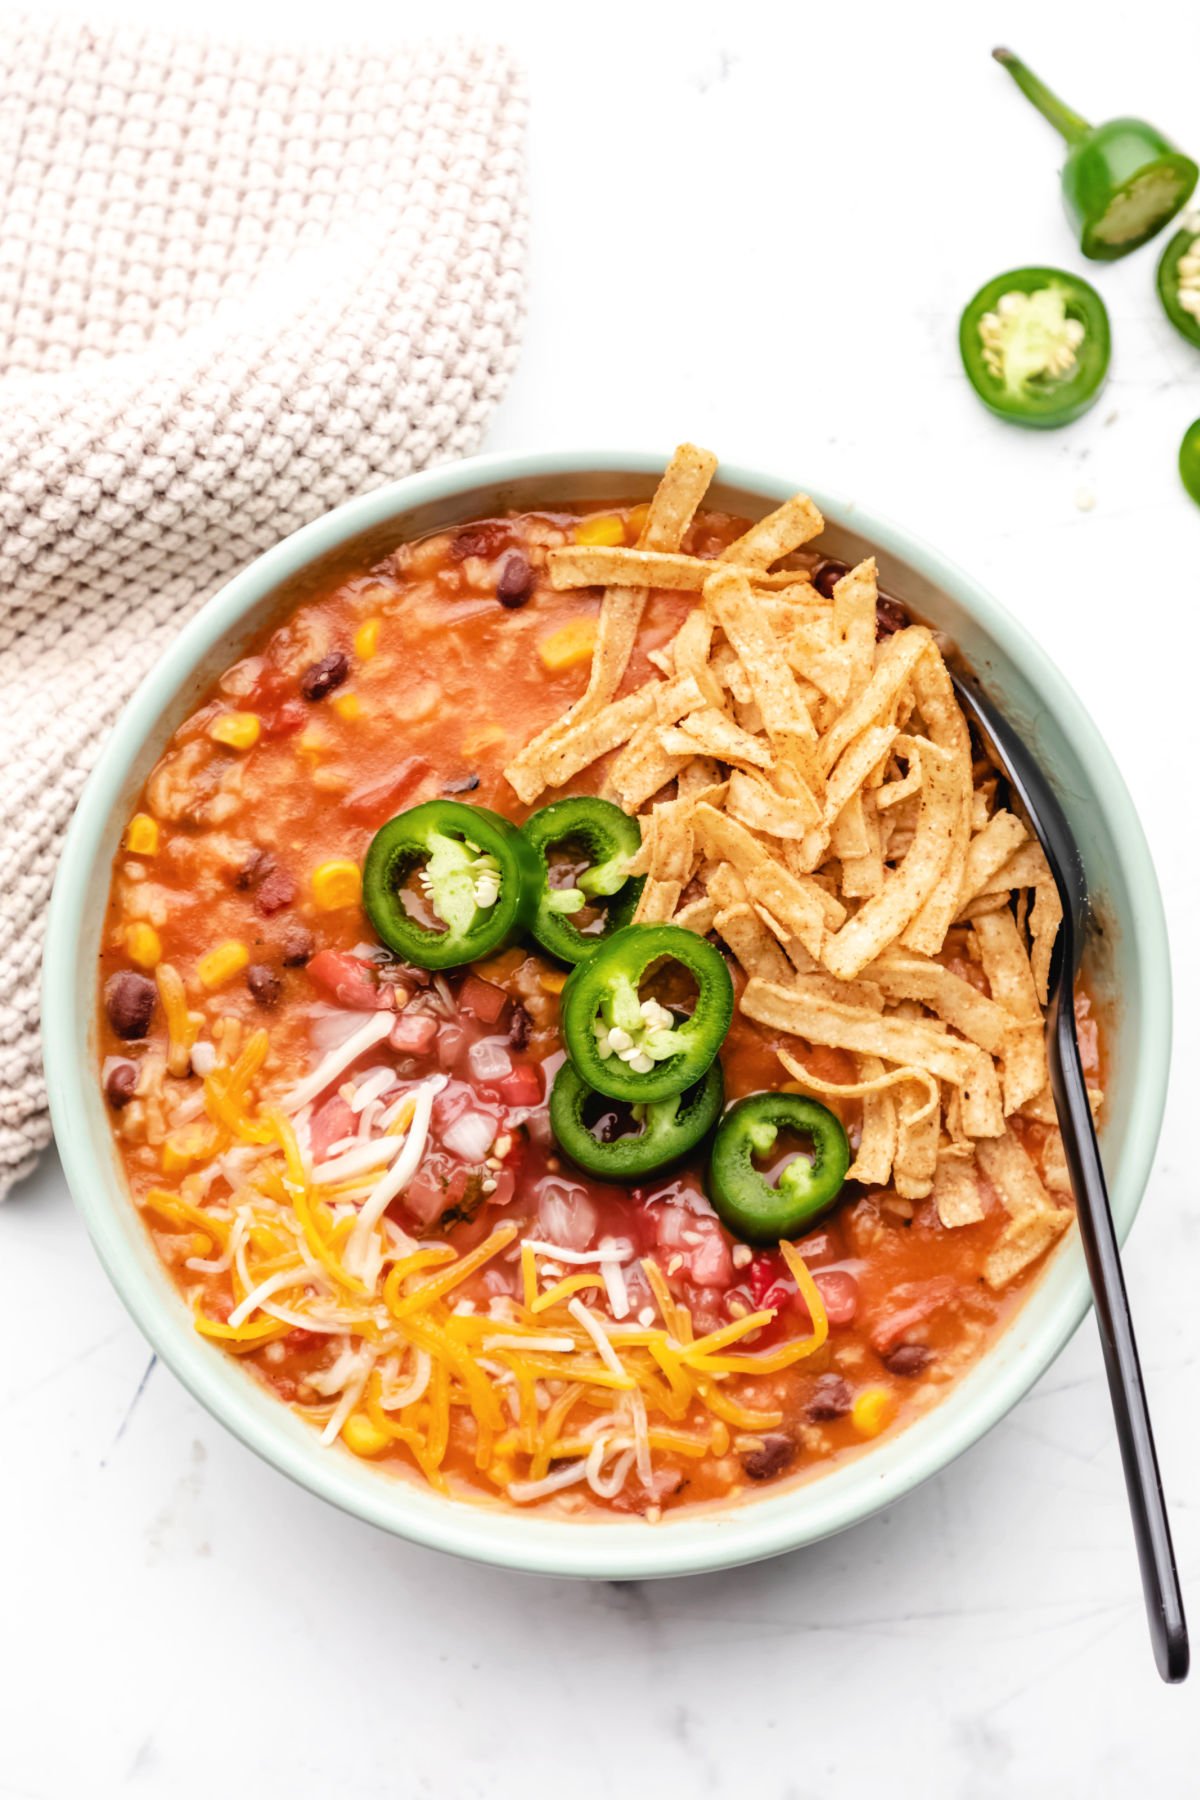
(1179,280)
(1035,344)
(668,1128)
(476,873)
(753,1207)
(607,838)
(1189,460)
(628,1045)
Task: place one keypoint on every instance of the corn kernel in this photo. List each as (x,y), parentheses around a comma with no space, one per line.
(718,1441)
(552,981)
(483,739)
(348,707)
(366,640)
(185,1145)
(222,964)
(873,1409)
(361,1434)
(237,729)
(601,528)
(144,945)
(142,837)
(635,522)
(570,644)
(312,742)
(502,1472)
(337,884)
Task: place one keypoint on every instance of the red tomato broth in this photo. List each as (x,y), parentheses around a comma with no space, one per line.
(412,720)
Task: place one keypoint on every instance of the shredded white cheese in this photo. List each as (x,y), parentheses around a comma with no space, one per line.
(376,1028)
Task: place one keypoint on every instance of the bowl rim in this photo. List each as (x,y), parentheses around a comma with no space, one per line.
(707,1539)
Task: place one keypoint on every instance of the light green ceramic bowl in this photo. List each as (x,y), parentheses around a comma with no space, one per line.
(1132,967)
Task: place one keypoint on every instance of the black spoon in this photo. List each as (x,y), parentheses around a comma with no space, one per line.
(1164,1602)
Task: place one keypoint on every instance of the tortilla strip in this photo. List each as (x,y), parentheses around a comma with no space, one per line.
(988,851)
(1034,1222)
(752,943)
(581,741)
(957,1195)
(657,901)
(676,498)
(893,792)
(815,984)
(692,647)
(797,905)
(605,565)
(897,659)
(697,915)
(1025,868)
(697,776)
(896,1040)
(641,769)
(881,919)
(854,598)
(708,732)
(903,976)
(945,726)
(872,1164)
(855,765)
(763,808)
(1006,964)
(1044,922)
(723,881)
(848,837)
(776,536)
(918,1128)
(862,874)
(786,719)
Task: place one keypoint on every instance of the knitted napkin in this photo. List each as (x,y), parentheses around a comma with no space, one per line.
(237,286)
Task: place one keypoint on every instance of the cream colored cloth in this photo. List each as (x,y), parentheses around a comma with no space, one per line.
(237,286)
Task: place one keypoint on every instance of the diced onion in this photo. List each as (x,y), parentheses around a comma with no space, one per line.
(471,1136)
(489,1059)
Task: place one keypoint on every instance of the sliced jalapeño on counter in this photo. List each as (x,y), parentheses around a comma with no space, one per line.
(1189,460)
(1121,182)
(1035,344)
(596,834)
(662,1131)
(623,1040)
(1179,280)
(475,876)
(754,1207)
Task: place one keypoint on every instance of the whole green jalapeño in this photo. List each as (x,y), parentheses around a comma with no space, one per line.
(475,876)
(1189,460)
(755,1208)
(1121,182)
(1035,344)
(626,1043)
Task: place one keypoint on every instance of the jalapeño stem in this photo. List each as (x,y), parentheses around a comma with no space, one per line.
(1070,124)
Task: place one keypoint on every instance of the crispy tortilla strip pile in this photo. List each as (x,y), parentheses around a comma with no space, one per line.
(808,794)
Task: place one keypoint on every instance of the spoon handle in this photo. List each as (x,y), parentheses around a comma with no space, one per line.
(1160,1579)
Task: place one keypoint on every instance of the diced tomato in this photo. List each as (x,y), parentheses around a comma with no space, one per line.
(777,1298)
(283,720)
(378,802)
(351,983)
(413,1033)
(425,1195)
(523,1087)
(761,1276)
(330,1122)
(483,998)
(839,1290)
(506,1187)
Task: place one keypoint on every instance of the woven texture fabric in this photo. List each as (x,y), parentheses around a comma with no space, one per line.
(237,286)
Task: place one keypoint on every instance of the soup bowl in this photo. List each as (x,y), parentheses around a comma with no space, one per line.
(1130,973)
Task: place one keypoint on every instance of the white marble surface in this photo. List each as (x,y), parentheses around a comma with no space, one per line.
(756,229)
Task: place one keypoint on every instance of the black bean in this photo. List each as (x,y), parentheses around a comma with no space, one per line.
(778,1450)
(129,1002)
(890,616)
(831,1398)
(462,784)
(257,866)
(120,1083)
(297,946)
(264,983)
(519,1026)
(515,580)
(276,892)
(324,676)
(827,577)
(908,1359)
